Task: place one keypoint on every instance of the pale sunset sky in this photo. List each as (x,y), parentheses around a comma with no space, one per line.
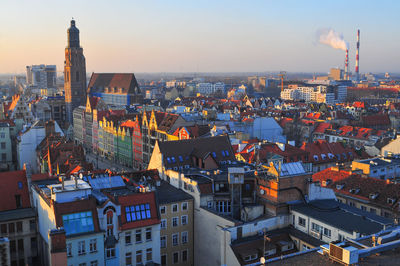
(201,36)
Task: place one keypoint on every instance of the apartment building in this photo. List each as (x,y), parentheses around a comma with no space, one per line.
(176,236)
(18,219)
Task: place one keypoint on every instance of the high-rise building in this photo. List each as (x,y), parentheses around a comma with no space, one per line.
(74,72)
(41,76)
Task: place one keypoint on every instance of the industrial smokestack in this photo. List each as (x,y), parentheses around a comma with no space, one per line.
(346,65)
(357,56)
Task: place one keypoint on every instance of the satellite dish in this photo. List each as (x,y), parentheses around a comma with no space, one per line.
(262,191)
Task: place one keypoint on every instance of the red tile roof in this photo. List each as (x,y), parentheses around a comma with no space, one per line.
(322,127)
(9,188)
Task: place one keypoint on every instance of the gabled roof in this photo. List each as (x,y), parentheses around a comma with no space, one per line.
(12,184)
(127,81)
(180,153)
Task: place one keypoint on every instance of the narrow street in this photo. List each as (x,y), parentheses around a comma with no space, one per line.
(102,163)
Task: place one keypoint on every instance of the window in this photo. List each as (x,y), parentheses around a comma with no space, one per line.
(363,208)
(351,204)
(315,227)
(138,236)
(163,241)
(78,223)
(19,185)
(149,254)
(302,221)
(109,218)
(4,229)
(148,234)
(184,219)
(162,209)
(3,145)
(69,250)
(372,210)
(214,155)
(2,135)
(163,259)
(82,264)
(180,158)
(209,204)
(110,253)
(33,243)
(184,255)
(3,157)
(139,258)
(18,201)
(20,245)
(93,263)
(137,212)
(128,258)
(184,206)
(81,247)
(184,236)
(11,228)
(223,206)
(327,232)
(163,224)
(128,239)
(174,207)
(175,239)
(13,247)
(19,227)
(175,221)
(93,245)
(175,257)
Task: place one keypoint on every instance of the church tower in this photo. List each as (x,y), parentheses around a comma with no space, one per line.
(74,73)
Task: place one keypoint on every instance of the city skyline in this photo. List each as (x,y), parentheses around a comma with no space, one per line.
(200,37)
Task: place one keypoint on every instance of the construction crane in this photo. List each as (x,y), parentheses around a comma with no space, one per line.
(282,75)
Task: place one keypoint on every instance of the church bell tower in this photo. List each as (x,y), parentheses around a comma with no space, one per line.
(74,73)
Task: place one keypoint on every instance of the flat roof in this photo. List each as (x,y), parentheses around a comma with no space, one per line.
(341,216)
(17,214)
(167,193)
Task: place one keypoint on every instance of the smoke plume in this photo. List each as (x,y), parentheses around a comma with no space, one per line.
(332,38)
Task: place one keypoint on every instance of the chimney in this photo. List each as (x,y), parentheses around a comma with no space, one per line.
(62,182)
(346,65)
(357,56)
(50,128)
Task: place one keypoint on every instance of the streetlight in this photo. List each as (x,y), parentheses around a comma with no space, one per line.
(262,259)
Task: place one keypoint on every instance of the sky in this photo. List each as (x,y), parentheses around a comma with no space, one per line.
(200,36)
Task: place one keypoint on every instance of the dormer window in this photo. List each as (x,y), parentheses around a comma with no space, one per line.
(331,156)
(214,155)
(168,160)
(323,156)
(315,157)
(391,200)
(339,186)
(180,158)
(173,159)
(223,153)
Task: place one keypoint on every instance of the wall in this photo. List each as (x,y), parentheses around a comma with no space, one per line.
(208,237)
(26,148)
(88,257)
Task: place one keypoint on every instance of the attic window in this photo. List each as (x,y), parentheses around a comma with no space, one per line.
(180,158)
(338,156)
(391,200)
(339,187)
(344,156)
(250,257)
(223,153)
(226,153)
(315,157)
(168,160)
(214,154)
(323,156)
(173,159)
(331,156)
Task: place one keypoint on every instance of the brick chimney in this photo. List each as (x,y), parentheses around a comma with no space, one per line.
(50,128)
(58,247)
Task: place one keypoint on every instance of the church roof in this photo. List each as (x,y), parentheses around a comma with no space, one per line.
(101,82)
